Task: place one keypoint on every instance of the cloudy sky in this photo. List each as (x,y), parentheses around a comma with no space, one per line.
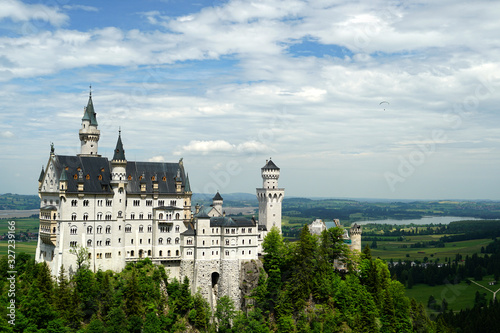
(363,99)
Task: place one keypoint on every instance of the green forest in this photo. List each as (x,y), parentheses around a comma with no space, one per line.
(299,290)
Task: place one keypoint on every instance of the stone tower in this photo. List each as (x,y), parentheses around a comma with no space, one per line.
(355,233)
(270,196)
(89,134)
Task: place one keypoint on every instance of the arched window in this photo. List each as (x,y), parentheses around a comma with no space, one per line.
(177,240)
(160,216)
(150,228)
(160,240)
(169,240)
(149,253)
(108,229)
(177,216)
(132,253)
(85,217)
(73,230)
(108,242)
(73,217)
(169,253)
(89,243)
(89,229)
(177,228)
(161,253)
(141,228)
(176,253)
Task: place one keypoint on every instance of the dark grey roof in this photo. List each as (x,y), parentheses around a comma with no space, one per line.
(162,173)
(119,151)
(270,165)
(262,227)
(226,221)
(64,176)
(189,232)
(99,167)
(92,166)
(42,173)
(187,187)
(89,113)
(203,213)
(217,197)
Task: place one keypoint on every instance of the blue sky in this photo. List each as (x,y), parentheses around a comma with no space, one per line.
(227,84)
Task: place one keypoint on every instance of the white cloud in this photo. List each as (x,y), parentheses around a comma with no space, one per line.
(157,159)
(7,134)
(81,7)
(222,146)
(18,11)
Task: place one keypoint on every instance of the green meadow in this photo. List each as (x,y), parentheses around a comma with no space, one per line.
(394,250)
(28,224)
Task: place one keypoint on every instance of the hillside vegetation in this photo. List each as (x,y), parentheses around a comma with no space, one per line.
(298,291)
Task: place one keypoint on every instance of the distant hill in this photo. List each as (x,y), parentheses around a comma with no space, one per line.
(10,201)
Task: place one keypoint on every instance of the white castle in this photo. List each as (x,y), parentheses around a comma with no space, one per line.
(123,211)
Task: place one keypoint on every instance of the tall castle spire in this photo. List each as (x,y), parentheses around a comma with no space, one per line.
(89,134)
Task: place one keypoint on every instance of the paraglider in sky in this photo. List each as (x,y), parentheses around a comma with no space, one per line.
(384,104)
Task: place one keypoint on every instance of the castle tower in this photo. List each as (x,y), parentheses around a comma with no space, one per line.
(270,196)
(355,233)
(89,134)
(119,180)
(217,202)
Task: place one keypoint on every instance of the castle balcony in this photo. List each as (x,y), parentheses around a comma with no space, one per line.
(48,225)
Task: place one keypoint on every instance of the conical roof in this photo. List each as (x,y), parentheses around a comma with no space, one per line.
(89,113)
(119,154)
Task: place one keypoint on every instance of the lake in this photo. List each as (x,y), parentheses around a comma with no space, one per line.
(423,220)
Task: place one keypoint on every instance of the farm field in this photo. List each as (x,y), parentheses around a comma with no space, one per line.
(388,250)
(459,296)
(26,247)
(22,224)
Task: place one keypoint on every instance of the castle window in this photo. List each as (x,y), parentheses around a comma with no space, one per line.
(108,216)
(89,229)
(243,242)
(108,229)
(249,241)
(73,243)
(243,252)
(242,230)
(140,241)
(85,203)
(74,203)
(189,241)
(160,241)
(227,231)
(89,243)
(150,216)
(169,253)
(161,253)
(153,178)
(169,240)
(233,231)
(132,253)
(149,253)
(73,217)
(149,202)
(108,255)
(177,216)
(130,177)
(73,230)
(85,217)
(99,203)
(102,169)
(203,231)
(119,240)
(141,216)
(99,216)
(87,177)
(189,253)
(249,230)
(164,179)
(203,253)
(75,176)
(150,228)
(149,240)
(132,241)
(98,243)
(132,216)
(177,228)
(109,203)
(177,253)
(161,202)
(90,255)
(99,229)
(160,216)
(137,203)
(227,253)
(99,177)
(227,241)
(108,242)
(249,251)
